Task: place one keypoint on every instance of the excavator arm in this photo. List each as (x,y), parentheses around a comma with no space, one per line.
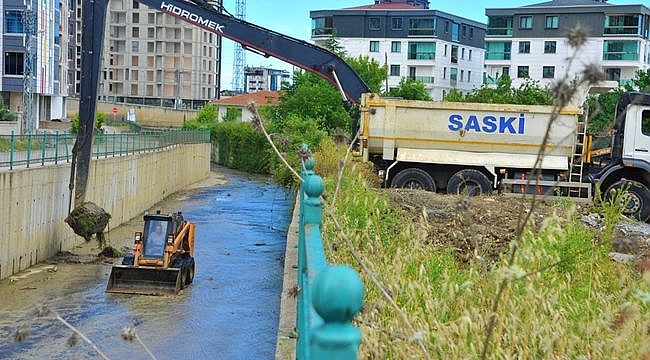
(208,16)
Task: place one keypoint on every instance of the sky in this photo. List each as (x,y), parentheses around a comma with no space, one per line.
(291,17)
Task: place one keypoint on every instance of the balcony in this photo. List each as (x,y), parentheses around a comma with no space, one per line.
(424,79)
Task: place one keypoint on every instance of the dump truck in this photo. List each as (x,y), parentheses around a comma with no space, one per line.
(476,148)
(162,260)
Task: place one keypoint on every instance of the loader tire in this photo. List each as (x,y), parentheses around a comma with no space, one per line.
(128,260)
(190,271)
(469,182)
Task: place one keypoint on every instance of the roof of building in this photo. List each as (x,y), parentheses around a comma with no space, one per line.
(385,6)
(259,98)
(569,3)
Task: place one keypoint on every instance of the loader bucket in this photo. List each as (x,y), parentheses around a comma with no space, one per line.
(144,280)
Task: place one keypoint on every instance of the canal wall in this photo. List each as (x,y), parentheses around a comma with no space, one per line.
(34,201)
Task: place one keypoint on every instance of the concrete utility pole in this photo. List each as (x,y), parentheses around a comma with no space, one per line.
(28,121)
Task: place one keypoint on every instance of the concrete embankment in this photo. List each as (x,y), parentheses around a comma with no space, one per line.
(34,202)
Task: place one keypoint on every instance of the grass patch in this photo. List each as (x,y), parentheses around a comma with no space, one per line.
(564,297)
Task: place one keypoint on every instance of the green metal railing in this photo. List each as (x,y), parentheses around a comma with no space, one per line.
(52,148)
(330,295)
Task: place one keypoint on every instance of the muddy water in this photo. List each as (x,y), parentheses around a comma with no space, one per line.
(230,311)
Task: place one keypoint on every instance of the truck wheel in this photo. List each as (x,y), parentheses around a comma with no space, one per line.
(636,201)
(469,182)
(414,178)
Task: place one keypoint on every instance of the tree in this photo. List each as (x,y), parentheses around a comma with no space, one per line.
(642,80)
(370,71)
(6,114)
(313,97)
(410,89)
(528,93)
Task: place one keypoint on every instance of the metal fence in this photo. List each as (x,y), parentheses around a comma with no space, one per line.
(46,148)
(330,295)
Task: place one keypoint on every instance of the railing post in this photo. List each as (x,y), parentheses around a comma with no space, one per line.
(56,147)
(337,296)
(43,142)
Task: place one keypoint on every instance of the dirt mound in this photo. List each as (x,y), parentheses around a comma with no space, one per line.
(477,227)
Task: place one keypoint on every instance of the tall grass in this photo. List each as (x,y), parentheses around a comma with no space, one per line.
(566,298)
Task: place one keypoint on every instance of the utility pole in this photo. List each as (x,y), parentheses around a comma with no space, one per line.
(28,120)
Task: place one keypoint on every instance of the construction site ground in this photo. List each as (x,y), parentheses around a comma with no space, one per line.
(491,223)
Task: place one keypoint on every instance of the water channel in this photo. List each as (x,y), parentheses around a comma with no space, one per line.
(230,312)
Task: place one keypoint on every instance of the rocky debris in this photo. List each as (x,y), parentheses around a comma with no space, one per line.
(88,219)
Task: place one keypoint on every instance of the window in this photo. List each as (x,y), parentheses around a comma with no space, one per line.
(462,75)
(623,24)
(505,71)
(322,26)
(522,71)
(464,31)
(14,63)
(454,54)
(396,46)
(444,73)
(396,23)
(446,27)
(373,23)
(469,56)
(445,50)
(548,72)
(471,33)
(14,22)
(136,18)
(454,32)
(134,60)
(422,51)
(524,47)
(498,50)
(549,47)
(136,5)
(469,75)
(552,22)
(525,22)
(394,70)
(453,76)
(462,53)
(374,46)
(621,50)
(135,46)
(424,26)
(645,122)
(499,25)
(135,32)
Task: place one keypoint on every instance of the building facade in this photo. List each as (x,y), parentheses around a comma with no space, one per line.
(264,79)
(442,50)
(531,41)
(152,58)
(35,44)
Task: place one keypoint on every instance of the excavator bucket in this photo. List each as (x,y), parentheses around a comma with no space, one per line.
(144,280)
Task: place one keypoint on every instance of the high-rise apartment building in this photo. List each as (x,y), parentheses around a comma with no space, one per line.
(531,41)
(442,50)
(152,58)
(34,62)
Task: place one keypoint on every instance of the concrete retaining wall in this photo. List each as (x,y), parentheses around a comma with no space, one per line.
(147,116)
(35,201)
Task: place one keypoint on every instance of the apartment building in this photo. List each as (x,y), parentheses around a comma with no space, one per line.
(264,79)
(34,63)
(442,50)
(531,41)
(152,58)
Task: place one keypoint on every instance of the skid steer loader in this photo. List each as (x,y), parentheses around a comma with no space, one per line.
(162,262)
